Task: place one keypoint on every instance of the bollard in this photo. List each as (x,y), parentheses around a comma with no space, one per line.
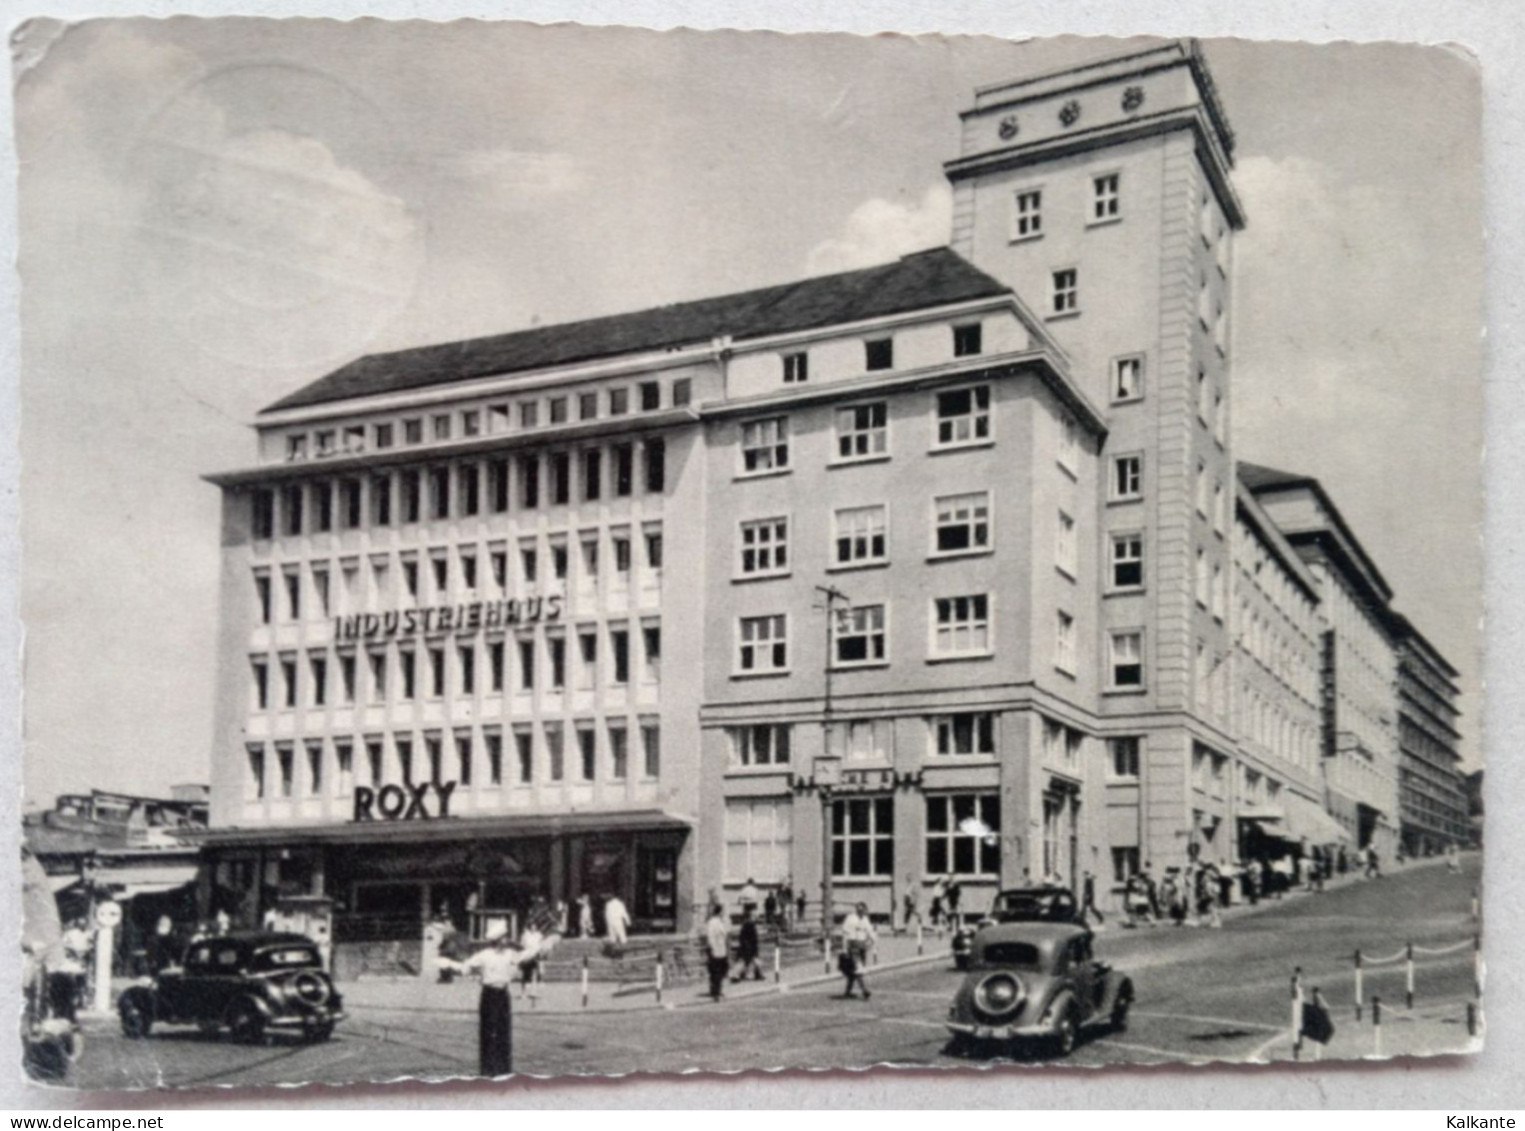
(1318,1000)
(1408,977)
(585,981)
(826,946)
(1297,1013)
(1477,966)
(1358,985)
(1376,1024)
(661,975)
(918,936)
(778,963)
(1476,904)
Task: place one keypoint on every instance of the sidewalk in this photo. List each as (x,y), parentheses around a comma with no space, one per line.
(421,995)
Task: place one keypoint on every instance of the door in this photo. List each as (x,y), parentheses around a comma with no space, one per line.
(656,893)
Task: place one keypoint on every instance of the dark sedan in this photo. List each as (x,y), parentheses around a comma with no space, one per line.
(251,984)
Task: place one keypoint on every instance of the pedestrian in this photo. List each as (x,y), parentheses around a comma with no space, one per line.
(224,922)
(955,895)
(717,950)
(858,937)
(161,947)
(1207,897)
(1453,859)
(1252,882)
(799,907)
(1373,863)
(911,903)
(1136,900)
(1088,900)
(497,966)
(747,949)
(749,896)
(786,901)
(1153,891)
(66,971)
(616,920)
(584,916)
(531,942)
(938,909)
(770,908)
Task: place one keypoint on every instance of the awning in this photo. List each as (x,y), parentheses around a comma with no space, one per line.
(446,829)
(1264,814)
(1316,826)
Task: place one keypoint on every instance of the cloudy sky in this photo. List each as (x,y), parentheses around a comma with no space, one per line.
(215,212)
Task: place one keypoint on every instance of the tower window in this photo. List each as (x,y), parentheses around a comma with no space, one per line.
(1105,204)
(1027,214)
(1066,294)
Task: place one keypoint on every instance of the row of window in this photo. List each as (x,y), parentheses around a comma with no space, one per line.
(962,837)
(441,574)
(961,418)
(464,757)
(524,413)
(438,671)
(961,524)
(967,733)
(1105,206)
(879,353)
(459,490)
(959,626)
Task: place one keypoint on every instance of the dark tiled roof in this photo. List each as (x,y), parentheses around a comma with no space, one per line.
(928,278)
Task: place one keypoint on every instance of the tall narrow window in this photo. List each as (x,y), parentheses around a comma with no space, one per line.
(619,648)
(587,754)
(497,474)
(1027,214)
(651,396)
(1127,481)
(318,665)
(406,669)
(293,583)
(323,507)
(347,676)
(261,672)
(1064,642)
(466,666)
(1126,668)
(381,500)
(1066,549)
(495,664)
(619,753)
(320,588)
(493,740)
(526,665)
(651,751)
(561,478)
(624,470)
(656,466)
(256,788)
(651,643)
(1065,295)
(796,368)
(378,665)
(262,513)
(463,757)
(315,768)
(352,497)
(291,507)
(262,596)
(529,481)
(289,681)
(412,494)
(470,489)
(592,474)
(524,754)
(1105,201)
(557,646)
(439,492)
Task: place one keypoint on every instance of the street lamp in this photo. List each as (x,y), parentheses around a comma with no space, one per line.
(824,779)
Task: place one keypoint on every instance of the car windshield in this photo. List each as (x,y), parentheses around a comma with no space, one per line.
(1011,954)
(1032,906)
(281,958)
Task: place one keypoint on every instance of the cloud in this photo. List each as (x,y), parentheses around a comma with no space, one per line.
(516,179)
(879,231)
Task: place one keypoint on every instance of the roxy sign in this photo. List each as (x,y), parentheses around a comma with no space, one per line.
(422,801)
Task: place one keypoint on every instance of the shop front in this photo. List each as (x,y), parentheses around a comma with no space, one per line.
(385,883)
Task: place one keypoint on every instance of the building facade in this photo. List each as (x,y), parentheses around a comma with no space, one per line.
(1432,795)
(937,569)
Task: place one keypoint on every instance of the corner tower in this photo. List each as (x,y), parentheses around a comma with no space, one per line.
(1102,195)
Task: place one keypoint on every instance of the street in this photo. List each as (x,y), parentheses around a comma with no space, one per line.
(1201,995)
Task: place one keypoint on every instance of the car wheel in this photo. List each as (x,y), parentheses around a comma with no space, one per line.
(1120,1007)
(1065,1029)
(247,1024)
(135,1019)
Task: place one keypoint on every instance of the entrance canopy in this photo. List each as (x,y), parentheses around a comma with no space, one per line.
(448,829)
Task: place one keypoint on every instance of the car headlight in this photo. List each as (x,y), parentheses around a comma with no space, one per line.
(999,995)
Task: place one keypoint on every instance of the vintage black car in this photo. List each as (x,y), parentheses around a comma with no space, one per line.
(253,984)
(1035,983)
(1045,904)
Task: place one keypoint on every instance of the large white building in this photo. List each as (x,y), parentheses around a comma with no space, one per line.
(941,567)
